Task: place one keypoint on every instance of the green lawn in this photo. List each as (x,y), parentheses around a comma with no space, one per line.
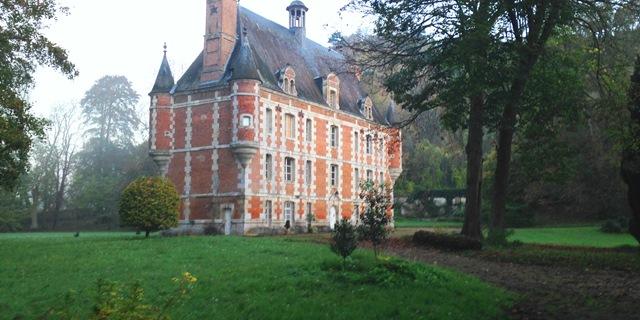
(238,278)
(573,236)
(419,223)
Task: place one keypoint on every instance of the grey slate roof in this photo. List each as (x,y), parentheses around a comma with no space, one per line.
(164,81)
(267,48)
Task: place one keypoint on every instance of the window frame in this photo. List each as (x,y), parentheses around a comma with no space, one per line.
(268,114)
(289,170)
(309,130)
(334,136)
(308,172)
(290,128)
(334,175)
(268,167)
(289,206)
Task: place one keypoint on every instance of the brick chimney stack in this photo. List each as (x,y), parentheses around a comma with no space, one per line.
(220,37)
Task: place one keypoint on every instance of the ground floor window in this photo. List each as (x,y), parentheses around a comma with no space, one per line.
(268,211)
(289,209)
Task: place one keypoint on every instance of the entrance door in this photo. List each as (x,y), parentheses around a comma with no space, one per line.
(227,221)
(333,215)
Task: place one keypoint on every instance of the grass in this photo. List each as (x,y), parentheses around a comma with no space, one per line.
(239,278)
(573,236)
(420,223)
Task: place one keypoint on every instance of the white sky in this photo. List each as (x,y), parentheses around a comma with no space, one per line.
(125,37)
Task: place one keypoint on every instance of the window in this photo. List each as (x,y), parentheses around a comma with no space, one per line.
(290,125)
(356,142)
(286,85)
(292,87)
(269,121)
(309,130)
(268,167)
(268,211)
(335,136)
(381,177)
(369,144)
(334,175)
(333,98)
(246,121)
(289,209)
(289,169)
(356,180)
(307,173)
(369,175)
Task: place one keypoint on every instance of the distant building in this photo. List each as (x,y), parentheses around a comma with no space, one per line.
(267,126)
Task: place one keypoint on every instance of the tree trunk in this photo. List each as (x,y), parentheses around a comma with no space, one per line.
(634,202)
(505,140)
(472,227)
(146,234)
(35,195)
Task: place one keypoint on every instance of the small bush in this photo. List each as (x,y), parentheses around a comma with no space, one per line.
(344,239)
(498,237)
(374,220)
(446,241)
(150,204)
(619,225)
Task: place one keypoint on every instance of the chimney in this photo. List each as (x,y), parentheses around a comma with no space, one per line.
(220,37)
(298,19)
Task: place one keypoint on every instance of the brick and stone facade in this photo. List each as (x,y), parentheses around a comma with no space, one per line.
(264,127)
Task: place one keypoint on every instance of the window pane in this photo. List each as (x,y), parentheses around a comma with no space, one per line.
(269,121)
(309,130)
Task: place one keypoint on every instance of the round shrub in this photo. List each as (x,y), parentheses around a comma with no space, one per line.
(150,204)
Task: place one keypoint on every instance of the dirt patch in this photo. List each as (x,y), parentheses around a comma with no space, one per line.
(546,292)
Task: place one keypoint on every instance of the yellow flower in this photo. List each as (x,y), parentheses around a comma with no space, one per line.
(188,277)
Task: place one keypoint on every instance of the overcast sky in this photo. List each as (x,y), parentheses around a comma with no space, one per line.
(125,37)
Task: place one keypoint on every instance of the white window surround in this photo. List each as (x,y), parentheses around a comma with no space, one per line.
(269,120)
(309,130)
(335,175)
(289,169)
(335,136)
(290,126)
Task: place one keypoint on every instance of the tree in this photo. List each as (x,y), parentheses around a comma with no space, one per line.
(22,48)
(631,156)
(375,218)
(438,53)
(344,239)
(54,160)
(150,204)
(109,110)
(527,27)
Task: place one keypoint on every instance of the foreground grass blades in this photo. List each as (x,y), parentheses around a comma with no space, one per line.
(265,278)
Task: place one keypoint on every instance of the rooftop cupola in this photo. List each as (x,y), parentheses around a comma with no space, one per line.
(298,18)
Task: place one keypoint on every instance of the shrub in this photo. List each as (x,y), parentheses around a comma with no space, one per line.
(118,301)
(344,239)
(619,225)
(150,204)
(498,237)
(374,219)
(446,241)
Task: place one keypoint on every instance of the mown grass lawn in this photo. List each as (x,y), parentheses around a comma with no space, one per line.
(238,278)
(573,236)
(420,223)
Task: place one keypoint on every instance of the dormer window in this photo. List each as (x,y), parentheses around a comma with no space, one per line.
(287,77)
(366,108)
(331,90)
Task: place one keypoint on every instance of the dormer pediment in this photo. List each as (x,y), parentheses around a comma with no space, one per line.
(287,80)
(366,107)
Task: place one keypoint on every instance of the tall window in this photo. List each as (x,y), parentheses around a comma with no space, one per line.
(369,175)
(290,125)
(333,98)
(369,146)
(356,142)
(289,209)
(289,169)
(381,177)
(356,180)
(309,130)
(269,121)
(334,175)
(268,211)
(335,136)
(307,173)
(268,167)
(292,87)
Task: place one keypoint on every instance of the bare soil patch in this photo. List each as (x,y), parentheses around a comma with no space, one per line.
(546,292)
